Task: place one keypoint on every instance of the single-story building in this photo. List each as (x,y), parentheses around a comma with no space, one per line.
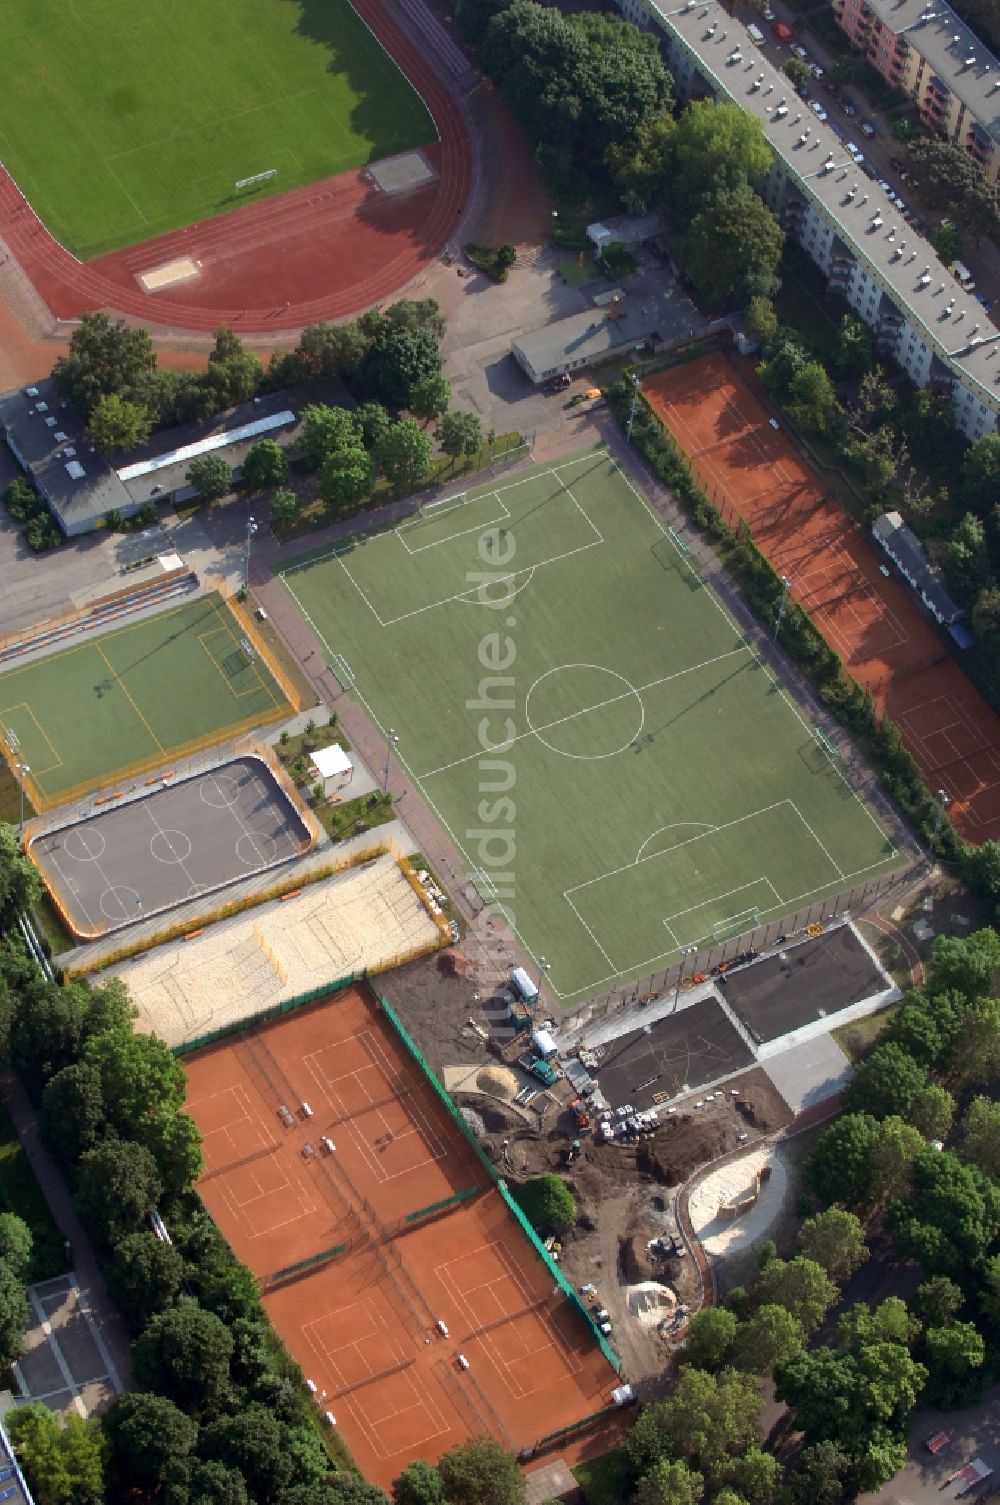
(625,230)
(584,339)
(81,486)
(331,767)
(907,553)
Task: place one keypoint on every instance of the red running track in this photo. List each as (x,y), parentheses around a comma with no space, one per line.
(320,252)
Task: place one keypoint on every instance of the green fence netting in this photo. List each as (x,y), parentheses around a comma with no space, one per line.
(309,1263)
(274,1012)
(484,1160)
(436,1207)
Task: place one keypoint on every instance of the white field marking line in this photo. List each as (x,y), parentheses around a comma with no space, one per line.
(476,528)
(94,1328)
(599,705)
(515,1271)
(836,866)
(207,125)
(121,185)
(727,618)
(717,898)
(521,480)
(162,830)
(420,1121)
(71,890)
(883,612)
(704,826)
(614,972)
(57,1353)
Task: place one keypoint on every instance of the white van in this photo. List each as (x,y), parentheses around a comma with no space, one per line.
(961,274)
(755,34)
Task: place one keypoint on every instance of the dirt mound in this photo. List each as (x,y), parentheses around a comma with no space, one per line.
(681,1146)
(498,1081)
(454,963)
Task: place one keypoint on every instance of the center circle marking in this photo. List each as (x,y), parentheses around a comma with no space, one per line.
(84,845)
(170,846)
(621,692)
(220,790)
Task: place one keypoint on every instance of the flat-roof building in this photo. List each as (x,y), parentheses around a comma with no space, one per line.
(924,49)
(890,276)
(80,486)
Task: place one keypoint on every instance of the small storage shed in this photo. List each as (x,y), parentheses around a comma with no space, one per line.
(332,768)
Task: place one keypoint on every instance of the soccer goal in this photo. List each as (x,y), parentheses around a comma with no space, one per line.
(737,924)
(484,885)
(443,504)
(343,670)
(255,181)
(680,543)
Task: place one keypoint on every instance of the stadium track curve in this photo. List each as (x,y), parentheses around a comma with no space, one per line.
(345,247)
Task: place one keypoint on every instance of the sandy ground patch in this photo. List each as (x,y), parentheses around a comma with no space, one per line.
(733,1183)
(365,918)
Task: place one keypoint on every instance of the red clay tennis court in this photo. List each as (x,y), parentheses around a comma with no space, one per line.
(752,472)
(377,1290)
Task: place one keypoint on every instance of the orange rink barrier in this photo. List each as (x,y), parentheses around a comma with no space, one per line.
(383,1304)
(752,471)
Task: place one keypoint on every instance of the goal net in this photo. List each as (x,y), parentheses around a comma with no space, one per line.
(443,504)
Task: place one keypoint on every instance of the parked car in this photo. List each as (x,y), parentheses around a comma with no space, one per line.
(855,152)
(849,110)
(867,129)
(814,104)
(800,51)
(816,70)
(768,13)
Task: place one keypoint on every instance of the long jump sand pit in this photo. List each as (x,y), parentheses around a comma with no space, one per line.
(366,918)
(385,1254)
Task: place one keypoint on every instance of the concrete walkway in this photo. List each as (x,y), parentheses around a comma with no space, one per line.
(112,1335)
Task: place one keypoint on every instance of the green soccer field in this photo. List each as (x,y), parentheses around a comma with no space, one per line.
(120,122)
(144,692)
(597,737)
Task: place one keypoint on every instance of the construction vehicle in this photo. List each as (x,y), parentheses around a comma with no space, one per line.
(579,1110)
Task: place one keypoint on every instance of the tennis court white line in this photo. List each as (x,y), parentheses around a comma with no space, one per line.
(599,705)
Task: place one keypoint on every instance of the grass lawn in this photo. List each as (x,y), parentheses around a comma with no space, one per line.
(143,692)
(21,1193)
(121,122)
(857,1038)
(589,724)
(605,1480)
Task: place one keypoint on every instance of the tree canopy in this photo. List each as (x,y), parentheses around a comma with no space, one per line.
(547,1203)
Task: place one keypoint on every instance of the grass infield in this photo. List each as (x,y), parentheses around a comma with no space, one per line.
(597,736)
(142,692)
(123,121)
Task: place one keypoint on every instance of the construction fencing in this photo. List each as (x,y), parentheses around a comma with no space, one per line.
(276,1010)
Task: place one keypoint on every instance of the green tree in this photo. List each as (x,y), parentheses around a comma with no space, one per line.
(285,507)
(266,464)
(234,374)
(954,1350)
(753,1474)
(13,1315)
(547,1203)
(895,1148)
(936,1301)
(977,1048)
(16,1242)
(761,320)
(821,1475)
(210,477)
(62,1461)
(481,1472)
(375,421)
(184,1354)
(71,1112)
(326,350)
(885,1083)
(710,1338)
(951,1217)
(980,1144)
(890,1322)
(254,1441)
(398,360)
(801,1286)
(431,397)
(20,886)
(732,246)
(212,1483)
(148,1436)
(105,358)
(980,479)
(707,1418)
(641,168)
(419,1484)
(767,1338)
(460,434)
(324,431)
(969,965)
(144,1277)
(932,1111)
(52,1023)
(347,477)
(670,1482)
(116,423)
(117,1188)
(717,147)
(835,1240)
(798,72)
(405,453)
(965,559)
(855,351)
(919,1029)
(812,401)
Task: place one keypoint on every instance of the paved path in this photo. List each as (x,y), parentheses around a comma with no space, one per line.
(94,1294)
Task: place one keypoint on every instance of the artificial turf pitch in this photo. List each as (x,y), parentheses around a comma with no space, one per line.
(588,722)
(121,122)
(143,692)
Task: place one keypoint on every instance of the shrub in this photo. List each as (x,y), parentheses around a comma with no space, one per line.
(547,1203)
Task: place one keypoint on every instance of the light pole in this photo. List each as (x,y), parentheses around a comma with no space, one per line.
(635,403)
(686,952)
(22,769)
(251,530)
(786,586)
(543,967)
(944,800)
(391,743)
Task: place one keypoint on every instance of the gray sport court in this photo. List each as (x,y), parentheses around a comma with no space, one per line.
(150,854)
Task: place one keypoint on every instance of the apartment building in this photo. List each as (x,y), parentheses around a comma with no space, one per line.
(922,48)
(891,277)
